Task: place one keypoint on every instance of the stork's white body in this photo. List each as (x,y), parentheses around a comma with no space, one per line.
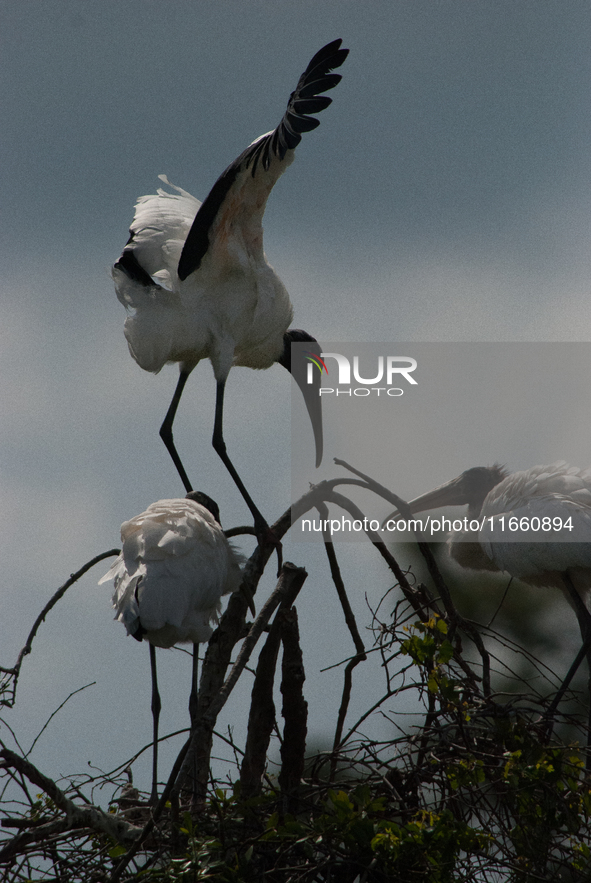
(233,310)
(556,490)
(175,565)
(197,281)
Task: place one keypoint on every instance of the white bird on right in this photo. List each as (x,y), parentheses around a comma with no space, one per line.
(557,492)
(175,565)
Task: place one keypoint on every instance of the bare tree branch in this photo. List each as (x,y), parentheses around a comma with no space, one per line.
(294,710)
(74,577)
(194,773)
(88,817)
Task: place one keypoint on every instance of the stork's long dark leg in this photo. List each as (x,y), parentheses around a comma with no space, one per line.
(262,529)
(585,646)
(194,697)
(193,710)
(166,430)
(584,618)
(156,705)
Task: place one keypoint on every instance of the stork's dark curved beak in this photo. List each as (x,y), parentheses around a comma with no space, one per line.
(468,489)
(448,494)
(297,361)
(452,493)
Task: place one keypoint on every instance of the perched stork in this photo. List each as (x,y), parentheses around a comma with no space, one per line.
(197,281)
(490,492)
(557,492)
(174,566)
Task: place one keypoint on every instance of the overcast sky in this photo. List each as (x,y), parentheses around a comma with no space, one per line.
(444,196)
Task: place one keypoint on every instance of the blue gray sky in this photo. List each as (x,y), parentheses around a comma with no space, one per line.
(444,196)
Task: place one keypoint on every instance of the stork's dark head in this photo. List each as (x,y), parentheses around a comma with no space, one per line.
(297,363)
(206,502)
(471,489)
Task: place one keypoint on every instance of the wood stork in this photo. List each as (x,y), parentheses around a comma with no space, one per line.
(174,566)
(557,492)
(197,280)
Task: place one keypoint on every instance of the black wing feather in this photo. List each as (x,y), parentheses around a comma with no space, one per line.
(311,105)
(132,268)
(323,84)
(304,100)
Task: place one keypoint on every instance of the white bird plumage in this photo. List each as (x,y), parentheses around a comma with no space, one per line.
(175,564)
(234,310)
(550,491)
(555,490)
(197,281)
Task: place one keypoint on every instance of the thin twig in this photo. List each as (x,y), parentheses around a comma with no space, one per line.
(74,577)
(455,618)
(91,818)
(53,714)
(360,656)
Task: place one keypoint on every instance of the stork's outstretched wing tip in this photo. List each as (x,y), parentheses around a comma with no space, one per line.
(306,99)
(333,51)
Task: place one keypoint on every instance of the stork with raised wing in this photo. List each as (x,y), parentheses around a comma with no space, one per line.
(198,284)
